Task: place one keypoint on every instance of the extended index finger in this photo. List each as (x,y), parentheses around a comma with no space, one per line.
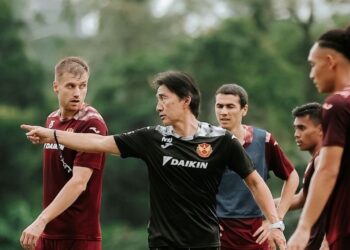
(27,127)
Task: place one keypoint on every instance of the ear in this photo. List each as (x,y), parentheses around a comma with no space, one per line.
(320,131)
(331,61)
(55,87)
(187,100)
(245,110)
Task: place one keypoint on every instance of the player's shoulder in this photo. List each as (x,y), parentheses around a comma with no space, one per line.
(54,114)
(204,130)
(260,133)
(337,98)
(87,113)
(209,130)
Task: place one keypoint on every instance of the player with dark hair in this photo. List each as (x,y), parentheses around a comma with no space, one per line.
(72,180)
(239,215)
(308,136)
(329,58)
(185,160)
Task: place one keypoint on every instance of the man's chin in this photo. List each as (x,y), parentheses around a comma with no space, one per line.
(225,126)
(165,122)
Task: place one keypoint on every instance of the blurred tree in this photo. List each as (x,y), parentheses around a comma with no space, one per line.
(262,45)
(21,78)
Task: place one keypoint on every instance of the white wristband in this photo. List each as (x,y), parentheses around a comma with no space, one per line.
(278,225)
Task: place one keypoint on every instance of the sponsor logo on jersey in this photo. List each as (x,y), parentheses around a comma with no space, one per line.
(52,122)
(95,130)
(167,142)
(70,130)
(52,146)
(204,150)
(327,106)
(184,163)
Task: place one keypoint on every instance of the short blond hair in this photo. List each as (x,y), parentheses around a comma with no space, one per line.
(73,65)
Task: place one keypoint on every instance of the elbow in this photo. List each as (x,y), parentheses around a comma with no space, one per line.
(79,184)
(293,179)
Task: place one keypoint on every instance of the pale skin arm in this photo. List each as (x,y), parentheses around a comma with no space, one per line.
(83,142)
(287,194)
(263,198)
(64,199)
(321,186)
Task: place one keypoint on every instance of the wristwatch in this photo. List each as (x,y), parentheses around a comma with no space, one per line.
(278,225)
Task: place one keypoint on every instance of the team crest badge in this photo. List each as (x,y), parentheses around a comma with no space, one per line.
(204,150)
(52,122)
(70,130)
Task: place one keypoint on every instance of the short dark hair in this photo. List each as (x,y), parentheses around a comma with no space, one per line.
(234,89)
(181,84)
(313,109)
(337,39)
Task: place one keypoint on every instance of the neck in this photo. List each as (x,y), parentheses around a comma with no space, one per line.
(316,149)
(343,79)
(66,115)
(186,127)
(239,132)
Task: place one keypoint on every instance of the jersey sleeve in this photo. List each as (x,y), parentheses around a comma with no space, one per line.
(91,160)
(133,143)
(238,159)
(276,159)
(335,121)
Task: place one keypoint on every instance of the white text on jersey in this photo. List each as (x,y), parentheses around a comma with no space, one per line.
(184,163)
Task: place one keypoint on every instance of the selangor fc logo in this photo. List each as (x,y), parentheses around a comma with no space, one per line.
(204,150)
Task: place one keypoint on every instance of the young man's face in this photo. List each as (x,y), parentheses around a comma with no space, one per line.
(321,72)
(228,110)
(170,107)
(307,134)
(71,91)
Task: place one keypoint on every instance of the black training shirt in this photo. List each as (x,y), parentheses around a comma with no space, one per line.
(184,175)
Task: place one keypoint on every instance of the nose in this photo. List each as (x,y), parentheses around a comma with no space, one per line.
(223,111)
(76,92)
(311,74)
(159,106)
(296,134)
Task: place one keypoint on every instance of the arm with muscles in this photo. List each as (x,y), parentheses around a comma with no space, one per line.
(263,198)
(82,142)
(64,199)
(321,187)
(298,201)
(287,194)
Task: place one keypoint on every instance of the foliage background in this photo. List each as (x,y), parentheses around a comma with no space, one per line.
(262,45)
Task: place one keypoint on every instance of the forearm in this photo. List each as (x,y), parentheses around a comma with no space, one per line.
(321,185)
(263,197)
(316,200)
(298,201)
(287,194)
(64,199)
(84,142)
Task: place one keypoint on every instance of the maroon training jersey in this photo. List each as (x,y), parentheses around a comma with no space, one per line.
(81,219)
(336,129)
